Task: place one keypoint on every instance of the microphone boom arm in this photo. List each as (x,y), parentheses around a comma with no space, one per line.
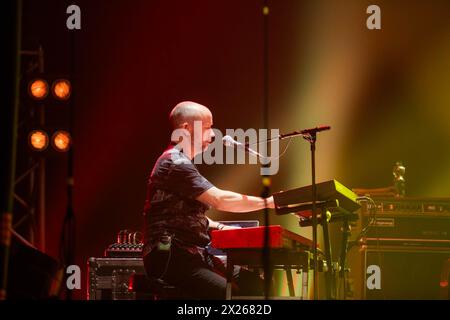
(306,133)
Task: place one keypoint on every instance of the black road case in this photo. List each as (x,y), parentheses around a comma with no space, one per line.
(110,278)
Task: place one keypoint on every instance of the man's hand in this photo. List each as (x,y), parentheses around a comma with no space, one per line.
(270,202)
(225,227)
(220,226)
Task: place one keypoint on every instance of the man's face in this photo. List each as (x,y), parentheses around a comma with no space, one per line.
(201,133)
(207,131)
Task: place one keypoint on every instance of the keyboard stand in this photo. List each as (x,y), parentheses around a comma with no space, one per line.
(284,259)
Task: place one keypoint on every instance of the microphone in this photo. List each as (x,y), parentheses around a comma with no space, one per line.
(230,142)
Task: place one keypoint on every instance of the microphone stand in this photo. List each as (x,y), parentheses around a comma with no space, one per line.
(344,250)
(312,138)
(266,249)
(266,179)
(68,233)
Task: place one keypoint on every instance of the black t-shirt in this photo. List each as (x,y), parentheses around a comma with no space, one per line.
(170,206)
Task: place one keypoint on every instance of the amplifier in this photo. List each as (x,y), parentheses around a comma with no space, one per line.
(110,278)
(405,218)
(413,205)
(399,249)
(392,272)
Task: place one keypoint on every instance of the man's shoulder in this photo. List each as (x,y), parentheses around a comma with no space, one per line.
(173,156)
(177,157)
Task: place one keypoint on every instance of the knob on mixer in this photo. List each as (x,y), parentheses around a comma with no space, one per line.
(120,237)
(123,236)
(137,237)
(128,244)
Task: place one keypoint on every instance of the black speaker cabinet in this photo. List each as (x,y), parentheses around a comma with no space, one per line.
(397,271)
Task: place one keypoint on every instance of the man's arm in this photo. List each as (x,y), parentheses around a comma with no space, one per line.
(233,202)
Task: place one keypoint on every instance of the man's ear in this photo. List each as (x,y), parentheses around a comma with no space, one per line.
(181,135)
(185,126)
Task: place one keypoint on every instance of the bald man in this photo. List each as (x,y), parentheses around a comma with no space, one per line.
(176,226)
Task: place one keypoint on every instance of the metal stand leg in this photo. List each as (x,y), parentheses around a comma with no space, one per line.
(329,274)
(290,282)
(344,246)
(230,269)
(305,284)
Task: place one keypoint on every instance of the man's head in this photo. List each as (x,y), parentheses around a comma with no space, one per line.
(196,120)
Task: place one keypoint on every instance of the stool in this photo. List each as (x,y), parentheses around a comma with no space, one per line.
(153,289)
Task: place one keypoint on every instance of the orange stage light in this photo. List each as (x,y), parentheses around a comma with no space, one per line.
(61,140)
(61,89)
(38,140)
(38,89)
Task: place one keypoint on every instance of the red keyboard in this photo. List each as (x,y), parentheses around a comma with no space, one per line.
(254,238)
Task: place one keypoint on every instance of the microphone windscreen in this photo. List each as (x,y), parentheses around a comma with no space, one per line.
(227,141)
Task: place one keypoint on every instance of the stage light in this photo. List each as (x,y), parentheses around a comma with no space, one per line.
(38,89)
(61,89)
(38,140)
(61,140)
